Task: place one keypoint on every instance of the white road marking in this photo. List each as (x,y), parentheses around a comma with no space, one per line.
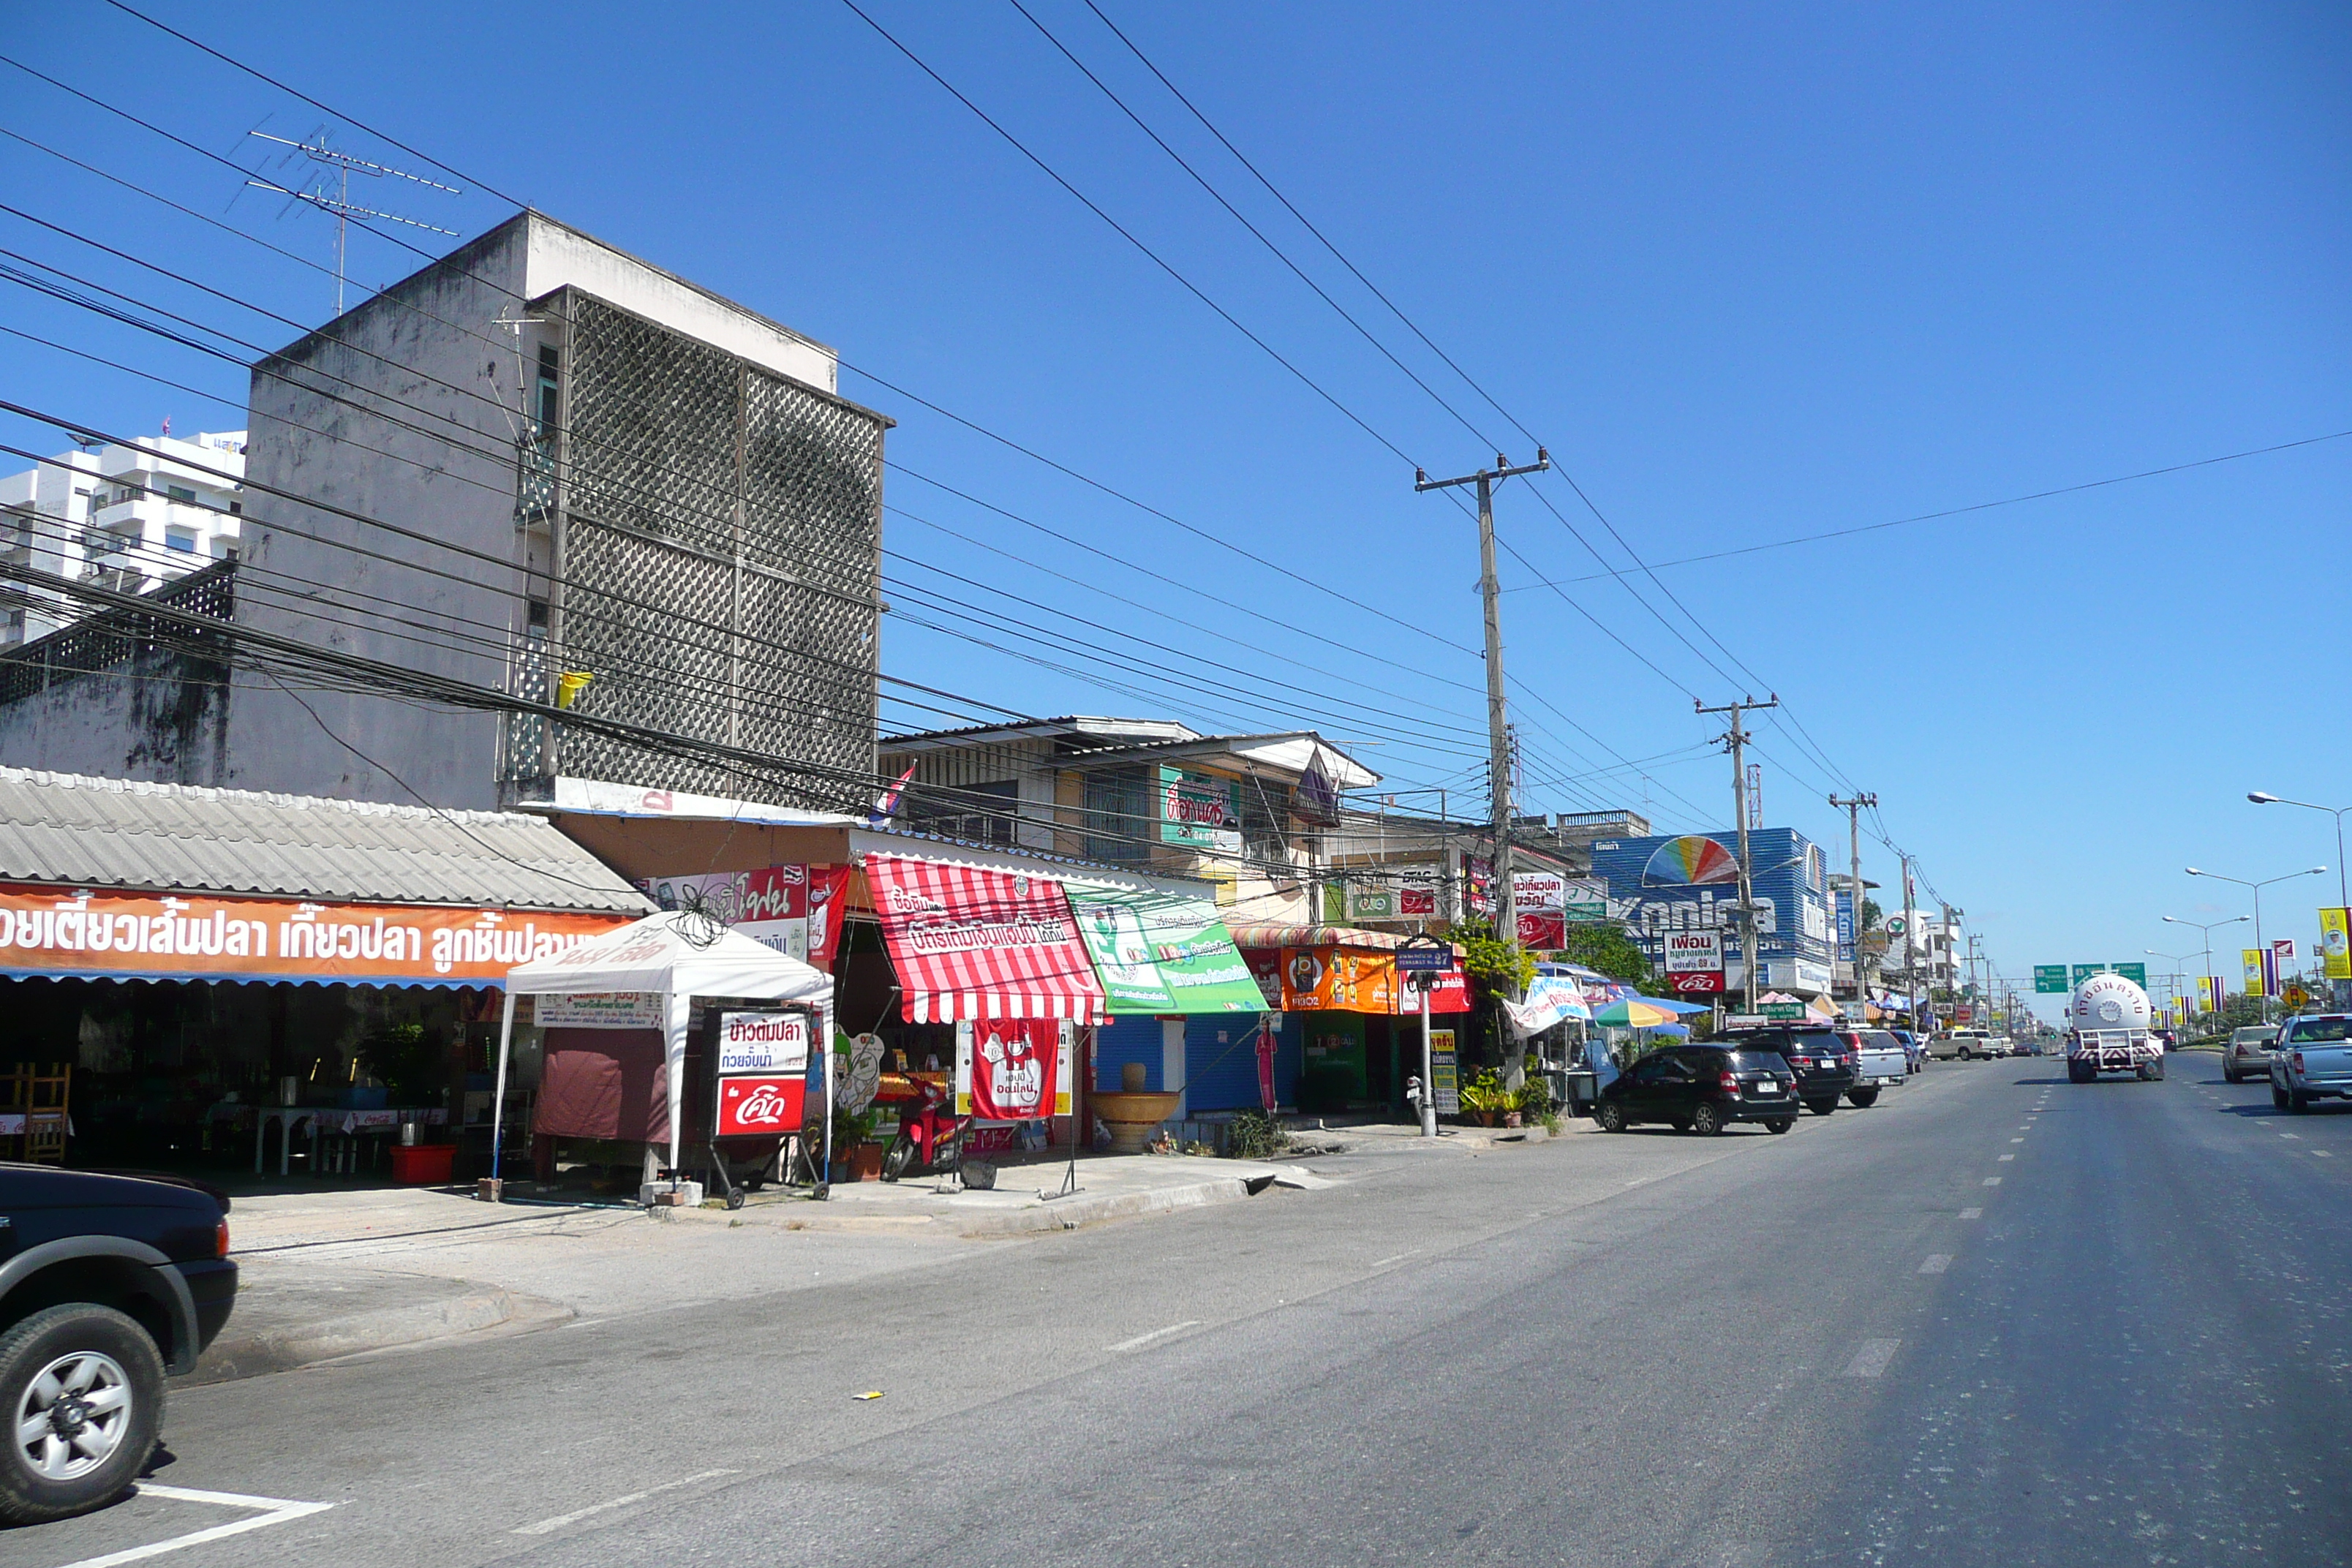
(1870,1360)
(1992,1181)
(560,1519)
(1399,1258)
(1972,1213)
(2017,1140)
(1937,1263)
(1140,1341)
(2004,1159)
(2322,1153)
(2297,1136)
(276,1510)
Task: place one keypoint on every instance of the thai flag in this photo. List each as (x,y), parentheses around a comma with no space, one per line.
(886,804)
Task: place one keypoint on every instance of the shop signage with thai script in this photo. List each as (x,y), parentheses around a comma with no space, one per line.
(46,931)
(971,942)
(1162,953)
(794,909)
(764,1042)
(599,1010)
(761,1106)
(1198,810)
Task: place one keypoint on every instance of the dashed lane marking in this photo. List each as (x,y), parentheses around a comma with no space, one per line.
(1140,1341)
(547,1525)
(1871,1357)
(1992,1181)
(1972,1213)
(1937,1263)
(2006,1157)
(273,1510)
(1384,1262)
(2017,1140)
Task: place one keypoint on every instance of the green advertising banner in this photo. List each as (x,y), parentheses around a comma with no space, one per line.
(1199,809)
(2050,980)
(1162,953)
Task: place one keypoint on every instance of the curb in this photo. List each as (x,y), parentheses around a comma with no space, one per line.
(1069,1214)
(231,1357)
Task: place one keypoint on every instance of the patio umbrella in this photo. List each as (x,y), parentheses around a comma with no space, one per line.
(1635,1013)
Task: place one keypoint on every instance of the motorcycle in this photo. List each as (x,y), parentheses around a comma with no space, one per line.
(931,1135)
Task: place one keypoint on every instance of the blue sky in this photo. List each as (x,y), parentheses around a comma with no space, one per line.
(1752,273)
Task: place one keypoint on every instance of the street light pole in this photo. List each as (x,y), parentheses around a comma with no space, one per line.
(2206,932)
(2343,988)
(2259,948)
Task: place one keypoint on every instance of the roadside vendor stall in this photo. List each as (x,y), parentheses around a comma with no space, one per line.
(1357,1025)
(625,1076)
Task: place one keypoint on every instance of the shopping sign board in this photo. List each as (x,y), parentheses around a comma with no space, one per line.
(1198,810)
(1538,891)
(764,1042)
(1779,1011)
(1695,961)
(754,1105)
(1162,953)
(1013,1069)
(2050,980)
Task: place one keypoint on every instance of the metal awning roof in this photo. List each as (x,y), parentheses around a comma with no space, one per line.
(77,831)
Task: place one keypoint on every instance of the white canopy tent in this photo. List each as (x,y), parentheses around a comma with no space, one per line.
(677,956)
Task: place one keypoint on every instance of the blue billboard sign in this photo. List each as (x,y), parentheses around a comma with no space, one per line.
(1672,882)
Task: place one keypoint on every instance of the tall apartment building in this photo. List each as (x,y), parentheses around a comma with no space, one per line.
(127,516)
(539,455)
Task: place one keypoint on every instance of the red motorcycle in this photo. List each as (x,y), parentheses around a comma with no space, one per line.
(930,1136)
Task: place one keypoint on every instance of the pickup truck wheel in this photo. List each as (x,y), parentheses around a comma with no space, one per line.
(82,1389)
(2298,1103)
(1861,1098)
(1707,1120)
(1611,1116)
(1780,1124)
(2278,1098)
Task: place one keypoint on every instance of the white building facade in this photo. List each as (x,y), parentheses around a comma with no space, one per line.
(126,517)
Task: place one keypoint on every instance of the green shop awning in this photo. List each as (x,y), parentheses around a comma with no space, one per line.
(1162,953)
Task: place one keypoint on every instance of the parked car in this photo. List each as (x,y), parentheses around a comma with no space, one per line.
(1878,1063)
(2247,1054)
(1915,1049)
(107,1282)
(1701,1089)
(1822,1056)
(1970,1045)
(2313,1061)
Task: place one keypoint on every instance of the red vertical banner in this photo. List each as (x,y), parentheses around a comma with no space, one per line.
(1014,1067)
(1266,1042)
(828,894)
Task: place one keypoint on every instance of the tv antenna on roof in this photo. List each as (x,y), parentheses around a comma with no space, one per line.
(341,166)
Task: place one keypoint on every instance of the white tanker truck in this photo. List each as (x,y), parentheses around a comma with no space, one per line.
(2108,1031)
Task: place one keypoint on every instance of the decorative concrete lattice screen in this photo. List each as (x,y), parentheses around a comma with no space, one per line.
(722,539)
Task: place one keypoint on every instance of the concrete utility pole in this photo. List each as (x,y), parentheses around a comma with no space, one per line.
(1853,807)
(1498,762)
(1737,739)
(1911,950)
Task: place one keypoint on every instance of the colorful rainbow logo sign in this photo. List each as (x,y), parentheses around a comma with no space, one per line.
(1691,860)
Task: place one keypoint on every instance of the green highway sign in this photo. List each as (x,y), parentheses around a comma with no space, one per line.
(2135,972)
(1781,1009)
(2084,971)
(2050,979)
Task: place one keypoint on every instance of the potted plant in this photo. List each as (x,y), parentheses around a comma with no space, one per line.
(1484,1099)
(856,1155)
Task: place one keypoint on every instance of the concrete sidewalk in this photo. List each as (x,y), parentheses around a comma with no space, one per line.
(331,1273)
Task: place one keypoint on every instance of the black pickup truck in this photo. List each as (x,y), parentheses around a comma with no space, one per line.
(107,1282)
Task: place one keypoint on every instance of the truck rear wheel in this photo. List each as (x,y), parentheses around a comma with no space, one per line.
(2080,1071)
(2155,1070)
(1864,1097)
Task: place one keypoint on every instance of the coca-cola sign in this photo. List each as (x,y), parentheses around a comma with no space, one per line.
(751,1107)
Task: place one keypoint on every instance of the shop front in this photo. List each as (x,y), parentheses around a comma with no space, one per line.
(221,979)
(1350,1028)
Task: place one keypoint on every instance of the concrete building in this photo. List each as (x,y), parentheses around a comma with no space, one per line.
(129,517)
(1251,814)
(537,456)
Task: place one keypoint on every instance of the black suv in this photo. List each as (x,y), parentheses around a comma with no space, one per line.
(1702,1090)
(107,1282)
(1826,1058)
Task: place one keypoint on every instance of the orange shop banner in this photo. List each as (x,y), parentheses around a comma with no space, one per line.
(1338,980)
(171,936)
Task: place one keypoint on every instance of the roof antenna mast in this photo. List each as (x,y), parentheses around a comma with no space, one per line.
(340,167)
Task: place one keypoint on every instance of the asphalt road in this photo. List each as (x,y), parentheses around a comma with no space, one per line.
(1998,1319)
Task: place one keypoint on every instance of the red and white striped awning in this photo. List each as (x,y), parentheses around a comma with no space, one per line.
(971,942)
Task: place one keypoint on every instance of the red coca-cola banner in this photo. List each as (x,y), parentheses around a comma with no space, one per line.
(1015,1067)
(754,1107)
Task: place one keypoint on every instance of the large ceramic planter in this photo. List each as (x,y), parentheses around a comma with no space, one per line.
(1132,1116)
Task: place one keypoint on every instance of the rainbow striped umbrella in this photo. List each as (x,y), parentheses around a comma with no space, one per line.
(1633,1013)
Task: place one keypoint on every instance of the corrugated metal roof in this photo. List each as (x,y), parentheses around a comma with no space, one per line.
(86,832)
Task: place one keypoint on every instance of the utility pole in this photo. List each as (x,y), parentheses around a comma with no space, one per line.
(1853,807)
(1498,739)
(1911,950)
(1738,740)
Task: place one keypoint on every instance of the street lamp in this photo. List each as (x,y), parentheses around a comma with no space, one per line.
(2260,798)
(2172,958)
(2206,932)
(2258,887)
